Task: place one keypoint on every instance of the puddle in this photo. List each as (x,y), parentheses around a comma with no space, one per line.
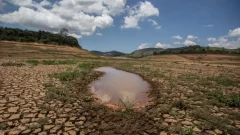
(117,86)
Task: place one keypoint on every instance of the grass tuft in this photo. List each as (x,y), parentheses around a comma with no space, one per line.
(12,64)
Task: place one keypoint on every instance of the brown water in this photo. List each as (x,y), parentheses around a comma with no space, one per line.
(117,86)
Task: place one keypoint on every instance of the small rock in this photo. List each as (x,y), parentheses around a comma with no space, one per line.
(13,109)
(187,123)
(47,127)
(14,132)
(195,129)
(79,123)
(217,131)
(72,132)
(163,133)
(170,120)
(82,118)
(26,131)
(42,133)
(15,116)
(165,115)
(210,132)
(69,124)
(238,126)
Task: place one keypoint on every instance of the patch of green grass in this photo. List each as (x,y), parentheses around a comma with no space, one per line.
(144,68)
(188,76)
(222,80)
(59,62)
(231,100)
(66,76)
(12,64)
(188,131)
(54,92)
(33,62)
(180,104)
(212,122)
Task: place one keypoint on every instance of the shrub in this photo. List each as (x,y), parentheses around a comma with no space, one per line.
(13,64)
(231,100)
(33,62)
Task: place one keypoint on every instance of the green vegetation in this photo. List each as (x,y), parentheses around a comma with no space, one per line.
(222,80)
(196,49)
(231,100)
(59,62)
(55,92)
(188,131)
(15,34)
(12,64)
(33,62)
(66,76)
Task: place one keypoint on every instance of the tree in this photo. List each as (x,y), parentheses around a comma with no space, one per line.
(64,32)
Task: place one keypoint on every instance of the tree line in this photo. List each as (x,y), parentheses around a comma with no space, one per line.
(197,49)
(16,34)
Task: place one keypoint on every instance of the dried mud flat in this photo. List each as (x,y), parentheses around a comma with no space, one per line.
(189,97)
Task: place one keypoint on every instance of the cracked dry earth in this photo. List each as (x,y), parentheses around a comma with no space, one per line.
(21,96)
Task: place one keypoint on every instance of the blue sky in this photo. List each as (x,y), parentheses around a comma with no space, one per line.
(104,27)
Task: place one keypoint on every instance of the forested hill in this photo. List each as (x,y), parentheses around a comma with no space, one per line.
(15,34)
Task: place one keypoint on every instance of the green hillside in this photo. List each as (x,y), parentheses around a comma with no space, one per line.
(15,34)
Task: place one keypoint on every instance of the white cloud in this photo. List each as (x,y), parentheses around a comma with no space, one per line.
(164,46)
(212,39)
(2,5)
(45,3)
(234,33)
(99,34)
(78,16)
(143,46)
(227,42)
(139,12)
(75,35)
(223,42)
(189,42)
(154,23)
(209,25)
(191,37)
(177,37)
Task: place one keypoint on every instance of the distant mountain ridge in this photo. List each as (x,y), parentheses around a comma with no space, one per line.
(195,49)
(110,53)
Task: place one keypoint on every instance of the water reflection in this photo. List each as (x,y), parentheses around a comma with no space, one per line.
(117,85)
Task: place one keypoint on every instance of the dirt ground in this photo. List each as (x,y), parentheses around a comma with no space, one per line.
(40,93)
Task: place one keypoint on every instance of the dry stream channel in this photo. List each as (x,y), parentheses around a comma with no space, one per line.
(117,87)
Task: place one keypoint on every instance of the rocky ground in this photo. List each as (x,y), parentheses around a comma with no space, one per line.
(180,101)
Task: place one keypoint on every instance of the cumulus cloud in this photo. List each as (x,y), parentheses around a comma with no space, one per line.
(177,37)
(75,35)
(161,45)
(234,33)
(191,37)
(212,39)
(143,46)
(81,17)
(154,23)
(99,34)
(223,42)
(229,41)
(139,12)
(189,42)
